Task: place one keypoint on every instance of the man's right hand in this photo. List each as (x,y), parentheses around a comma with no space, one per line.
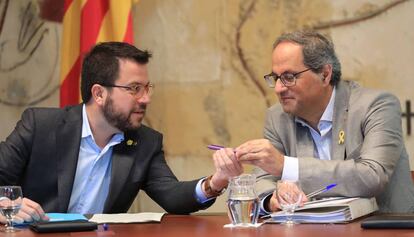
(30,211)
(227,166)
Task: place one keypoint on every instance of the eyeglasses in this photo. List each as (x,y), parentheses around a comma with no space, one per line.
(288,79)
(137,90)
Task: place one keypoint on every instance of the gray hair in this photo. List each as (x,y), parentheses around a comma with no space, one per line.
(317,51)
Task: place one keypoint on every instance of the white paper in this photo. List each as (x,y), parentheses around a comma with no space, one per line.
(333,201)
(242,226)
(127,217)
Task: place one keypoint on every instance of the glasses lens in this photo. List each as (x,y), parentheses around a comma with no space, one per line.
(150,89)
(141,90)
(136,90)
(288,79)
(271,80)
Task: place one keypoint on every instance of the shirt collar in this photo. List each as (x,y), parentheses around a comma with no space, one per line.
(86,129)
(328,113)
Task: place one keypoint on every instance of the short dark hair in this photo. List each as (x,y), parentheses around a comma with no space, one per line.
(101,64)
(317,49)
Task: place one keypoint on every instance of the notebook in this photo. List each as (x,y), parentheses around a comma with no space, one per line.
(331,210)
(63,222)
(389,221)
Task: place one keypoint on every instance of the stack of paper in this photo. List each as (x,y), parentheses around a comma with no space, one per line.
(335,210)
(127,217)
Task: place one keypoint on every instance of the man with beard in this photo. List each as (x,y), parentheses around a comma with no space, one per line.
(96,156)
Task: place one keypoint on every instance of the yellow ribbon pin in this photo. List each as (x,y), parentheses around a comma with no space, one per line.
(341,137)
(131,143)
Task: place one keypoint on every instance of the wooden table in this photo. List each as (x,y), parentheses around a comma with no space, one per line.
(212,225)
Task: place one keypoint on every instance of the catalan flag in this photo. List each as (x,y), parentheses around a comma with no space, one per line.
(85,23)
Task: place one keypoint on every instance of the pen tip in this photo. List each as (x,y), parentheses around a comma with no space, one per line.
(330,186)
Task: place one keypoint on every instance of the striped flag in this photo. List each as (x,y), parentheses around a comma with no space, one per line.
(85,23)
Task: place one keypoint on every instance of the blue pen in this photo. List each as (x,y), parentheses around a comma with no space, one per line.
(319,191)
(215,147)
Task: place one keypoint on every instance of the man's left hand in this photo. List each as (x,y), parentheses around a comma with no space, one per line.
(30,211)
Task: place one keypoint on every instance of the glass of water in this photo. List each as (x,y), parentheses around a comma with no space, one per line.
(243,203)
(289,195)
(10,202)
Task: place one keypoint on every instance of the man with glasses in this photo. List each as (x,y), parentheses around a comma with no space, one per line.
(96,156)
(327,131)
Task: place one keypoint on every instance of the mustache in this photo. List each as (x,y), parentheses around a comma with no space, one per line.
(284,95)
(142,107)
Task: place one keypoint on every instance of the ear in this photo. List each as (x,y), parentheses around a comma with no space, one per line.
(326,74)
(98,94)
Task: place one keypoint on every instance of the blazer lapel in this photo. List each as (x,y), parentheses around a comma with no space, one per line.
(339,121)
(123,156)
(305,146)
(68,142)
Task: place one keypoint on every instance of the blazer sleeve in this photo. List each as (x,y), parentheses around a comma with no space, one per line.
(266,183)
(177,197)
(15,150)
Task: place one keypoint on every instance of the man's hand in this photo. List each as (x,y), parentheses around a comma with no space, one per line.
(30,211)
(227,166)
(263,154)
(274,204)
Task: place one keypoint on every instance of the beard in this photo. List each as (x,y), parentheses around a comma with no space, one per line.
(120,120)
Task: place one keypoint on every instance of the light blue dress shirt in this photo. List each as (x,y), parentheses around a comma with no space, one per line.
(93,172)
(200,196)
(321,139)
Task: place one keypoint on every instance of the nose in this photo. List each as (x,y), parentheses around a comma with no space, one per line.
(280,87)
(145,99)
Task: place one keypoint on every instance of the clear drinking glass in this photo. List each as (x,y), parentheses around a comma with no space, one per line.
(10,203)
(289,195)
(243,202)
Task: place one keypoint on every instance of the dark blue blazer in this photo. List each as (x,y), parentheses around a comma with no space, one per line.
(41,155)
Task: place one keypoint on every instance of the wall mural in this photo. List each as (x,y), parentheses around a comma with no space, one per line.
(21,49)
(209,60)
(247,9)
(29,54)
(408,115)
